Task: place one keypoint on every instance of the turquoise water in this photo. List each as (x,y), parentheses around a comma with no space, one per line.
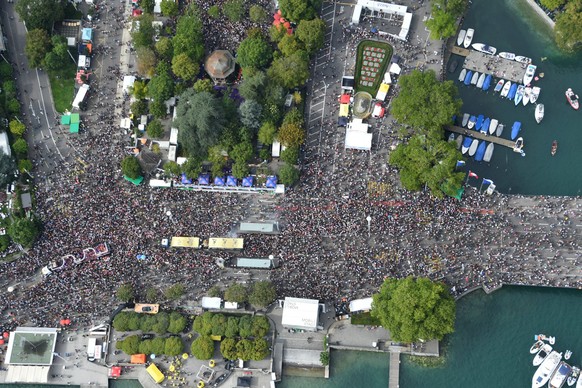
(510,25)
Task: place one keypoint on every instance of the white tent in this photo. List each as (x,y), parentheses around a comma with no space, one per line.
(358,140)
(125,123)
(361,305)
(395,69)
(211,303)
(128,82)
(80,97)
(174,135)
(300,313)
(4,144)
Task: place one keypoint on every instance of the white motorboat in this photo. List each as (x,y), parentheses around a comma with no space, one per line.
(506,55)
(489,152)
(475,78)
(560,375)
(461,37)
(499,130)
(539,115)
(506,88)
(473,147)
(468,38)
(535,93)
(522,59)
(499,86)
(573,376)
(536,346)
(567,355)
(518,95)
(529,74)
(484,48)
(545,370)
(526,96)
(462,75)
(481,80)
(579,383)
(465,119)
(493,126)
(543,353)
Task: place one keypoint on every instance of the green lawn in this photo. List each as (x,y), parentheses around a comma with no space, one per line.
(372,59)
(364,319)
(63,86)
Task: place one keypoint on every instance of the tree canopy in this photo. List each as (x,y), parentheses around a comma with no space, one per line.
(311,33)
(7,169)
(262,293)
(444,14)
(298,10)
(291,71)
(125,292)
(236,293)
(130,167)
(40,13)
(414,309)
(202,348)
(568,27)
(23,231)
(552,4)
(254,52)
(38,44)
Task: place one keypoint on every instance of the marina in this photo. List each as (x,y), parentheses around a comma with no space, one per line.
(496,66)
(481,136)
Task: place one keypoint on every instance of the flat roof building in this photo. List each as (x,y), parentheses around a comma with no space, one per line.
(259,227)
(30,354)
(299,313)
(257,262)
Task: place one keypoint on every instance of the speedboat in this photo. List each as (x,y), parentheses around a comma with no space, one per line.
(512,91)
(529,74)
(518,94)
(475,78)
(522,59)
(526,96)
(479,123)
(560,375)
(462,75)
(485,126)
(484,48)
(536,346)
(473,147)
(468,78)
(567,353)
(466,145)
(573,376)
(493,126)
(489,152)
(459,141)
(505,89)
(481,80)
(499,130)
(461,37)
(545,370)
(535,93)
(539,115)
(487,82)
(542,354)
(480,151)
(499,86)
(468,38)
(465,119)
(515,129)
(554,147)
(472,122)
(518,147)
(572,99)
(506,55)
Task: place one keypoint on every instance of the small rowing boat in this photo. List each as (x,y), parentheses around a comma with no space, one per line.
(485,126)
(529,74)
(481,80)
(526,96)
(536,346)
(535,93)
(515,129)
(466,117)
(461,37)
(493,126)
(499,86)
(506,55)
(472,122)
(489,152)
(473,147)
(466,144)
(539,114)
(499,130)
(512,91)
(459,141)
(479,123)
(506,88)
(468,78)
(554,147)
(475,78)
(487,82)
(518,94)
(462,75)
(468,38)
(480,151)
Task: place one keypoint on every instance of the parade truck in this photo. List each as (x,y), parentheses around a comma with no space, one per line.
(147,308)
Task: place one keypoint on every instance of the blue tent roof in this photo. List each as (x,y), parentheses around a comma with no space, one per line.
(87,34)
(248,181)
(271,182)
(203,179)
(185,180)
(219,181)
(231,181)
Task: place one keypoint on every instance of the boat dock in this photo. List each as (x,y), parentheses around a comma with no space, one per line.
(496,66)
(460,50)
(394,373)
(481,136)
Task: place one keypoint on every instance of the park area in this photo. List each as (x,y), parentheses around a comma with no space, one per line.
(372,61)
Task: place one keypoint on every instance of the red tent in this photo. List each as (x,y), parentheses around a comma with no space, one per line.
(1,342)
(287,25)
(115,371)
(62,322)
(6,334)
(67,321)
(136,12)
(277,16)
(345,99)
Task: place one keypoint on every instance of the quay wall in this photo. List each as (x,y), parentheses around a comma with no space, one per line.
(541,13)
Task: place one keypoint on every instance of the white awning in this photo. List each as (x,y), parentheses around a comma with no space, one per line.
(211,303)
(128,82)
(300,313)
(27,374)
(395,69)
(361,305)
(358,140)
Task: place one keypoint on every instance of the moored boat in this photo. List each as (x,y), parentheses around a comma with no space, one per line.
(465,119)
(487,82)
(567,355)
(545,370)
(499,129)
(543,353)
(472,122)
(475,78)
(512,91)
(526,96)
(536,346)
(506,88)
(462,75)
(481,80)
(485,126)
(468,37)
(573,376)
(499,86)
(535,93)
(493,126)
(522,59)
(453,66)
(515,129)
(461,37)
(560,375)
(518,146)
(518,94)
(468,77)
(539,114)
(572,99)
(459,141)
(489,152)
(529,74)
(506,55)
(554,147)
(484,48)
(479,123)
(473,147)
(579,383)
(480,151)
(451,137)
(466,145)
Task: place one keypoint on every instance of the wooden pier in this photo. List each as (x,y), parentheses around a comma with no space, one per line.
(496,66)
(481,136)
(394,373)
(460,51)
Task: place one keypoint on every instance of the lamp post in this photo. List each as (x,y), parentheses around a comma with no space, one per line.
(369,219)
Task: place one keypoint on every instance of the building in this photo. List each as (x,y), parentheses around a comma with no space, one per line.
(219,65)
(384,9)
(259,227)
(300,313)
(30,354)
(4,144)
(256,262)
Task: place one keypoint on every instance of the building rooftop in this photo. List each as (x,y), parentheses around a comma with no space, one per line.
(31,346)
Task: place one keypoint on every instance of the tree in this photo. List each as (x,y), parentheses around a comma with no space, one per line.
(245,326)
(13,106)
(130,167)
(4,242)
(228,348)
(254,52)
(297,10)
(155,129)
(146,61)
(147,5)
(291,135)
(164,48)
(552,4)
(257,14)
(260,349)
(242,152)
(172,168)
(244,349)
(231,330)
(290,155)
(188,38)
(312,34)
(183,67)
(202,348)
(38,44)
(143,36)
(58,55)
(24,165)
(214,12)
(203,323)
(568,27)
(139,107)
(40,13)
(288,174)
(294,116)
(161,324)
(7,169)
(158,345)
(234,10)
(324,358)
(173,346)
(23,231)
(145,347)
(20,146)
(276,33)
(441,24)
(252,88)
(152,293)
(414,309)
(139,90)
(262,293)
(130,345)
(267,133)
(260,326)
(161,87)
(289,45)
(203,85)
(125,292)
(218,325)
(291,71)
(240,169)
(158,109)
(236,293)
(169,8)
(250,114)
(121,321)
(17,128)
(200,120)
(175,291)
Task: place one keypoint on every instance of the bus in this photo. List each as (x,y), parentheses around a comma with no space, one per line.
(147,308)
(225,243)
(185,242)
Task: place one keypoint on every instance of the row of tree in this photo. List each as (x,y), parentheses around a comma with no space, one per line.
(231,326)
(259,294)
(203,348)
(444,16)
(160,323)
(568,29)
(169,346)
